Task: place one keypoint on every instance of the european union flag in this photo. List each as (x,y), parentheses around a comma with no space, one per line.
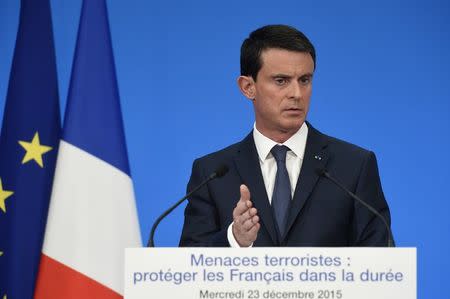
(28,148)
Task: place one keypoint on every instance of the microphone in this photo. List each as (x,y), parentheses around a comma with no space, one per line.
(218,173)
(322,172)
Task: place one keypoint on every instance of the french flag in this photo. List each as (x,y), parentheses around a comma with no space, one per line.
(92,216)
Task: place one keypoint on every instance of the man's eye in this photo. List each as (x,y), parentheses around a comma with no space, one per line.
(280,81)
(305,80)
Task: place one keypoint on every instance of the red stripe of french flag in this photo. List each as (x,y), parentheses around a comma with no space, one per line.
(72,284)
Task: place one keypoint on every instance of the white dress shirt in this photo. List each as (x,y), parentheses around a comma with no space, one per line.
(294,161)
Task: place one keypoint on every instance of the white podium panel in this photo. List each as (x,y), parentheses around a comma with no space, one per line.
(270,273)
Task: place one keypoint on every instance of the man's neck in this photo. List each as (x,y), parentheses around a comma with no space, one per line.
(277,136)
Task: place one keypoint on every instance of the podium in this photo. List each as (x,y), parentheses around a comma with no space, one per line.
(270,273)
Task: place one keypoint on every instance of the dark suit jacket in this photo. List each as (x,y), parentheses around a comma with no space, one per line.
(321,214)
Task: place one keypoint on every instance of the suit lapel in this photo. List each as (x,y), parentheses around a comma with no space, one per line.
(247,164)
(316,157)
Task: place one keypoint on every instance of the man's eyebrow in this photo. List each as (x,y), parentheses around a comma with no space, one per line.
(307,75)
(281,75)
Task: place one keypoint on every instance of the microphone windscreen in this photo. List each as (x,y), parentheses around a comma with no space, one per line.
(221,170)
(320,171)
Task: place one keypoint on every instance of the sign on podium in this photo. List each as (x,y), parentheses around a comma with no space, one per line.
(270,273)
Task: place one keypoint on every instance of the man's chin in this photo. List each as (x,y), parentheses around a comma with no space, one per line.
(293,125)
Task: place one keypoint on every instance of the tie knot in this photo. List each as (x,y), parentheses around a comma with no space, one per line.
(279,152)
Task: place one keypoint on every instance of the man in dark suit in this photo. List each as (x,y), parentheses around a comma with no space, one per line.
(273,194)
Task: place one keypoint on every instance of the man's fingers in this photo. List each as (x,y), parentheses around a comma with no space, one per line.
(245,219)
(253,232)
(248,214)
(245,193)
(252,212)
(244,203)
(249,223)
(240,209)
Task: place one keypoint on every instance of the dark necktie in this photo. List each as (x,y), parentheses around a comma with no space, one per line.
(281,197)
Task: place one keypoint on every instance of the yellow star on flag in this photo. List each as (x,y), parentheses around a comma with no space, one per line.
(34,150)
(4,194)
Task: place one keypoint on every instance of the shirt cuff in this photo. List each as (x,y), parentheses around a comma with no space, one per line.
(231,239)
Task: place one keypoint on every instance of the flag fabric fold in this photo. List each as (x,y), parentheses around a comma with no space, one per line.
(92,216)
(28,148)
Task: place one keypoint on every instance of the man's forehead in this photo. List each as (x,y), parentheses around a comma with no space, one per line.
(281,60)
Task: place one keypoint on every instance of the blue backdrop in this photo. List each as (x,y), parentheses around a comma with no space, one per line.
(382,82)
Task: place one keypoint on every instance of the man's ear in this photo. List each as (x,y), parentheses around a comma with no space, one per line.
(247,86)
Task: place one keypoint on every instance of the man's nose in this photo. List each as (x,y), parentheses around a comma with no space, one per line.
(295,91)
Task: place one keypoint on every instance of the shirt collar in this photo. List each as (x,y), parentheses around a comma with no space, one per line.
(296,143)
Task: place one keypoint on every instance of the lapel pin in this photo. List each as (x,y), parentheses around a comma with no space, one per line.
(317,157)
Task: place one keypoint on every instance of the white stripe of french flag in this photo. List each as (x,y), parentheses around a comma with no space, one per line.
(92,218)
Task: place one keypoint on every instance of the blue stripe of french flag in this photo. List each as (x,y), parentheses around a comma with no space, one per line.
(92,216)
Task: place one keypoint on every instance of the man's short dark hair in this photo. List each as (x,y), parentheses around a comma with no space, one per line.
(272,36)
